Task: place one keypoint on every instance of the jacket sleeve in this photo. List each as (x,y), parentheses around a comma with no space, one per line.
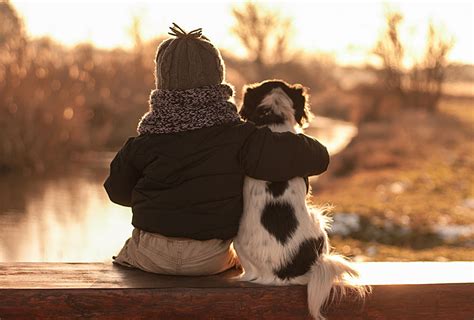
(123,176)
(274,156)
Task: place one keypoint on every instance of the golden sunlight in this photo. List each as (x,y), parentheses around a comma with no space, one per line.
(390,86)
(346,30)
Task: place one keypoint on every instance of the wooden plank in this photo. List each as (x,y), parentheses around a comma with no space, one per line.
(108,276)
(102,275)
(437,301)
(95,290)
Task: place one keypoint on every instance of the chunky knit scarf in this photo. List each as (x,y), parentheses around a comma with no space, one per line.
(183,110)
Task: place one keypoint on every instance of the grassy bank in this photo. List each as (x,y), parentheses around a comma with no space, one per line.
(413,174)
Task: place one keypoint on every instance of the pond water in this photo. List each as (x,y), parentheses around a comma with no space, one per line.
(69,218)
(65,218)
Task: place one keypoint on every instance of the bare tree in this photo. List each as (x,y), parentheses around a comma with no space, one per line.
(263,32)
(135,32)
(390,50)
(420,86)
(427,77)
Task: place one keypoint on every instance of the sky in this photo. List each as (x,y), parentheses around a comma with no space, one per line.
(345,29)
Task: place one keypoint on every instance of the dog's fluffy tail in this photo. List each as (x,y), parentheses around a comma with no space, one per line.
(331,272)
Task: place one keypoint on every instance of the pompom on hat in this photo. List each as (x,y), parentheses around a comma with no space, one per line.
(188,60)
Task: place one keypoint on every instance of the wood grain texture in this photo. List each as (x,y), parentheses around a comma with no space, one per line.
(103,291)
(453,302)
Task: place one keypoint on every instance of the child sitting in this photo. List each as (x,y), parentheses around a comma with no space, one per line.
(183,174)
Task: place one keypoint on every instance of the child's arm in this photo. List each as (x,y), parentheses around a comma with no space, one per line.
(273,156)
(123,176)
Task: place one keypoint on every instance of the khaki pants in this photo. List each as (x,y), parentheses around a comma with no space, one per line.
(178,256)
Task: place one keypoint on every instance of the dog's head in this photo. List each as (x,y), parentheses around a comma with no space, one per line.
(275,102)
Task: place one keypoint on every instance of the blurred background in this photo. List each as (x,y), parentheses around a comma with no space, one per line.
(392,90)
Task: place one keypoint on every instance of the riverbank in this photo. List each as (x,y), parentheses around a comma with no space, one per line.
(409,185)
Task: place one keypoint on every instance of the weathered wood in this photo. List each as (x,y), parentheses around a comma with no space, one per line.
(387,302)
(106,275)
(81,291)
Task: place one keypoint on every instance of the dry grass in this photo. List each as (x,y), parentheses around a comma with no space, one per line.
(414,171)
(372,251)
(462,109)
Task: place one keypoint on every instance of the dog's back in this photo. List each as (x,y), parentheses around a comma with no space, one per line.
(278,233)
(281,240)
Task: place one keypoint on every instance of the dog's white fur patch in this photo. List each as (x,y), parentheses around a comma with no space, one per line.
(282,105)
(260,253)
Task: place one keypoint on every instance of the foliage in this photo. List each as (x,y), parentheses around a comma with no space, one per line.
(56,101)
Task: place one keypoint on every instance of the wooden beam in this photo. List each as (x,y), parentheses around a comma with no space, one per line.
(78,291)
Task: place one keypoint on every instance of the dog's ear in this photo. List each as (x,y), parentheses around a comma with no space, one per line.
(249,102)
(299,95)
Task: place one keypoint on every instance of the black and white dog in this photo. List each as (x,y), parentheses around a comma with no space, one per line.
(281,240)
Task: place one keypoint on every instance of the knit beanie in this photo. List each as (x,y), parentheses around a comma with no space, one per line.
(186,61)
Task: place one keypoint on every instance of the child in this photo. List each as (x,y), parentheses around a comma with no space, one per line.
(183,174)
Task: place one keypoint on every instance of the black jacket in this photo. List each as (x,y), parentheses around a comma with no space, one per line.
(189,184)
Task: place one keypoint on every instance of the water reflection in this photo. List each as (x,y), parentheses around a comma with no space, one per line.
(60,219)
(334,134)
